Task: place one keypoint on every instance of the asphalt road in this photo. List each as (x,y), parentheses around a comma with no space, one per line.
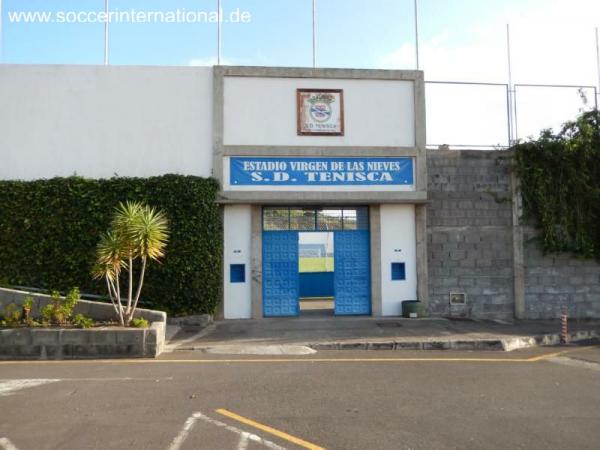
(334,400)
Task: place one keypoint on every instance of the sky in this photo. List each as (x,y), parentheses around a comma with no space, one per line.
(552,41)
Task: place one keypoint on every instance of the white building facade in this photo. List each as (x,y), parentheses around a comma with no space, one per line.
(297,151)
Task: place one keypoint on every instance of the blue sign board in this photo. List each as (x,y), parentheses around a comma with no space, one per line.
(251,171)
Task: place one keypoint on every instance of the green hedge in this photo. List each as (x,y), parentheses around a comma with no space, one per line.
(49,230)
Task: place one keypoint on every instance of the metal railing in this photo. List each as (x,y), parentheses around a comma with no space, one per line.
(567,113)
(462,117)
(502,120)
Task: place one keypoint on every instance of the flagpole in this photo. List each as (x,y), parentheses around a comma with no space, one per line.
(512,119)
(106,50)
(1,36)
(417,33)
(598,64)
(218,32)
(314,33)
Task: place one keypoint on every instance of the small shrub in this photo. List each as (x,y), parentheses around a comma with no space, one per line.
(82,321)
(60,311)
(12,315)
(139,323)
(26,313)
(50,312)
(73,296)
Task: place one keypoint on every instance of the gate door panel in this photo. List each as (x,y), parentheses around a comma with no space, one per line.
(352,273)
(281,289)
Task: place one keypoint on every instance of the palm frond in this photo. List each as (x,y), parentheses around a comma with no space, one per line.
(111,250)
(126,214)
(151,232)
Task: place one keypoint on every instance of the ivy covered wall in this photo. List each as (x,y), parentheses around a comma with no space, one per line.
(49,230)
(559,176)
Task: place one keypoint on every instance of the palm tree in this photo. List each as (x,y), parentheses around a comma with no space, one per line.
(109,262)
(138,232)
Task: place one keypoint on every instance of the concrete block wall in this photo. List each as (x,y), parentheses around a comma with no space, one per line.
(556,281)
(470,246)
(469,232)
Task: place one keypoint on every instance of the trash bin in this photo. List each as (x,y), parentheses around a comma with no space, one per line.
(413,306)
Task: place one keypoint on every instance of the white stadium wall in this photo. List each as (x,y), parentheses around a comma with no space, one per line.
(262,111)
(98,121)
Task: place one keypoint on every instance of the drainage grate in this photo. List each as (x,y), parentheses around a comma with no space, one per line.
(388,324)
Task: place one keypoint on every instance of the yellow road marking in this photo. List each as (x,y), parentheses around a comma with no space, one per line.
(555,354)
(265,360)
(302,360)
(268,429)
(547,356)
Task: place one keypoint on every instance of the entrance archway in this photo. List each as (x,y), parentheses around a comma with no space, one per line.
(351,280)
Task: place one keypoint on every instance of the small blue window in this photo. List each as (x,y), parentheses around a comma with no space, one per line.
(398,271)
(237,273)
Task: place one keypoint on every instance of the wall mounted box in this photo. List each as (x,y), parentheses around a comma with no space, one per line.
(237,273)
(398,271)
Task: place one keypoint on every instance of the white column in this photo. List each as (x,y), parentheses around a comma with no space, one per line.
(398,245)
(237,250)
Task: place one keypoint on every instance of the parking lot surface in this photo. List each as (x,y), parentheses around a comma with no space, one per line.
(539,398)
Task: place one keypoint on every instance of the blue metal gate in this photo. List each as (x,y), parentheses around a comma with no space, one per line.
(281,290)
(352,272)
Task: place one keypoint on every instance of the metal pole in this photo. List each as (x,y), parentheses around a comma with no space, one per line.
(1,36)
(314,33)
(106,49)
(511,122)
(564,327)
(598,64)
(516,116)
(417,33)
(508,127)
(218,32)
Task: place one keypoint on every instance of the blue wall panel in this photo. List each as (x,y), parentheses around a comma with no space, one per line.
(280,273)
